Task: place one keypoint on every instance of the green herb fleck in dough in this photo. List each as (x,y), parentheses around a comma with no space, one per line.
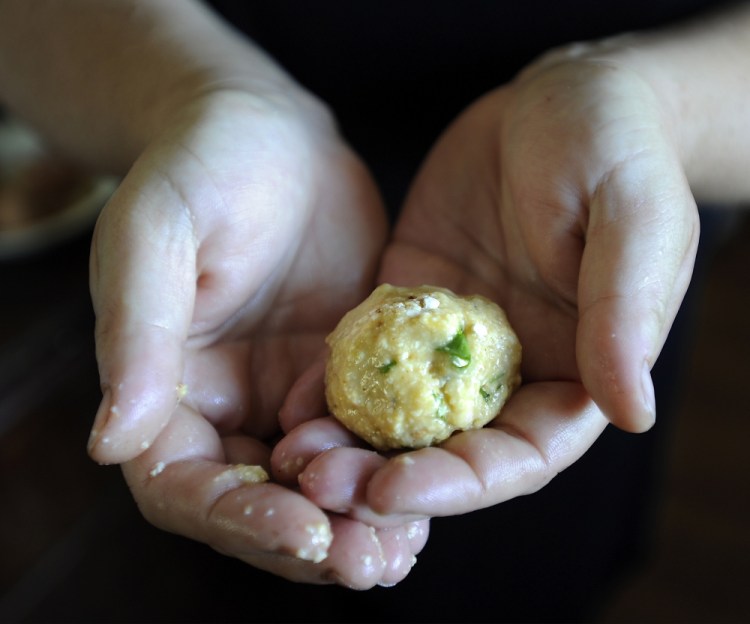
(387,366)
(458,349)
(496,382)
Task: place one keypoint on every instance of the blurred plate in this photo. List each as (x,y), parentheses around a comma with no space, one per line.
(63,224)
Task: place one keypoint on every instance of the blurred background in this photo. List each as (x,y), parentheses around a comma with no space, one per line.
(73,547)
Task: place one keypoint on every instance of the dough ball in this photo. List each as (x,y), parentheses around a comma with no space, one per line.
(410,366)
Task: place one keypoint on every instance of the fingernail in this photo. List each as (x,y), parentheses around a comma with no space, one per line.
(649,399)
(387,584)
(334,577)
(101,419)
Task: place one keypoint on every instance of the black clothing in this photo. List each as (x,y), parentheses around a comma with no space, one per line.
(397,72)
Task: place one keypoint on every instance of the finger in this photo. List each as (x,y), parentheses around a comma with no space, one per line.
(338,480)
(306,398)
(242,449)
(400,546)
(183,485)
(359,558)
(297,449)
(640,248)
(542,430)
(143,288)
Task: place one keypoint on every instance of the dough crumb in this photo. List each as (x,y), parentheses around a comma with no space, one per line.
(412,531)
(242,473)
(157,469)
(320,539)
(182,391)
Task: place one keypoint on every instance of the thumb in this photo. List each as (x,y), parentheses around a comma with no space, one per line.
(143,285)
(641,241)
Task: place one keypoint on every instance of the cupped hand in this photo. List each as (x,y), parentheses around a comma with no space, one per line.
(560,196)
(238,238)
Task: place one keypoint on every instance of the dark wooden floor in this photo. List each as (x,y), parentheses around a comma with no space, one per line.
(56,503)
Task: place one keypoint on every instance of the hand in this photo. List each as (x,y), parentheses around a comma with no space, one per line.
(561,197)
(236,241)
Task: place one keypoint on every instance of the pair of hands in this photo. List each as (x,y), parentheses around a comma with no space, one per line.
(247,229)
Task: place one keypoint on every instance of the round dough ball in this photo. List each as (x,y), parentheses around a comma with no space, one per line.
(410,366)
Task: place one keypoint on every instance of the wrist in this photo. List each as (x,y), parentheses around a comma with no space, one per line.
(124,69)
(699,75)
